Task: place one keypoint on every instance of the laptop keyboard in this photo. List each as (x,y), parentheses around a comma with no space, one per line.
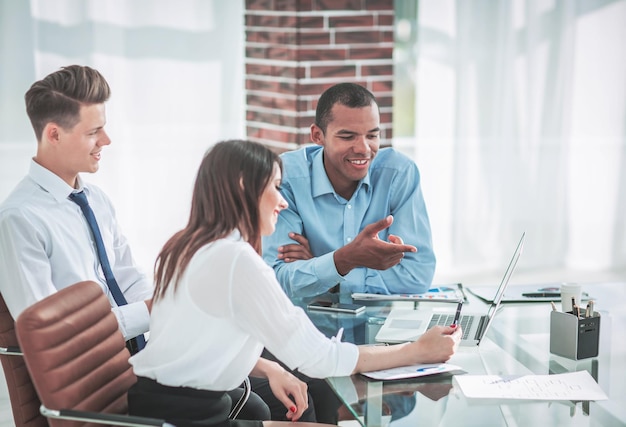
(447,319)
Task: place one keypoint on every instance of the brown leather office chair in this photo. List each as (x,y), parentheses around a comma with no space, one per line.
(24,400)
(78,360)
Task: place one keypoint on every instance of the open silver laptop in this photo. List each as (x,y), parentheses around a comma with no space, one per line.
(404,325)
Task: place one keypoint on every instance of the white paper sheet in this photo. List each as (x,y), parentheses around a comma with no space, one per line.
(449,296)
(578,385)
(412,371)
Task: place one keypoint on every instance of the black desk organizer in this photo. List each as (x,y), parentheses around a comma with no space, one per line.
(573,337)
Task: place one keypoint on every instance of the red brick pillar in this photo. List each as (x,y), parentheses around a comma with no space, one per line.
(295,49)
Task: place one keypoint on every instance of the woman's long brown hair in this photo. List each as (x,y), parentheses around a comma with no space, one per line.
(231,179)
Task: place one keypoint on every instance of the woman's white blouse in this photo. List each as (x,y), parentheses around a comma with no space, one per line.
(228,305)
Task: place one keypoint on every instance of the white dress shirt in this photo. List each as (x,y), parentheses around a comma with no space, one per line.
(46,245)
(227,306)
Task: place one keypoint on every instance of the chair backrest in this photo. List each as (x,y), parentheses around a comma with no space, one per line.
(75,353)
(24,400)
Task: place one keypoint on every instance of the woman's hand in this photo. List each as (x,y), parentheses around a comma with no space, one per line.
(285,386)
(437,344)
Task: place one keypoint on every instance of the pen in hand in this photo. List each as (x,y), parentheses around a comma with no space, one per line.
(457,315)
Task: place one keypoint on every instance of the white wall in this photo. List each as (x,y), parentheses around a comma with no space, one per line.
(176,73)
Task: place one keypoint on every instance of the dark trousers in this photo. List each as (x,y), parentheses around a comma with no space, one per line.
(183,406)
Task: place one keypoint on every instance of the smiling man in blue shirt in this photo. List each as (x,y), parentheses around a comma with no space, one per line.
(356,215)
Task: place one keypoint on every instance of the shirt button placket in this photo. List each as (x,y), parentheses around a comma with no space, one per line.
(348,223)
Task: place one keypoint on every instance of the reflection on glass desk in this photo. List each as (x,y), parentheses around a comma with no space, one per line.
(516,344)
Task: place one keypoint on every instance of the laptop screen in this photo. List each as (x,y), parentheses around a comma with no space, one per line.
(505,281)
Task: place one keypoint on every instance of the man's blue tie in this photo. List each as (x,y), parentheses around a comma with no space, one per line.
(81,200)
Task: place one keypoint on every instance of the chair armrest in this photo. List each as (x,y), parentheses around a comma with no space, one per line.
(100,418)
(10,351)
(237,407)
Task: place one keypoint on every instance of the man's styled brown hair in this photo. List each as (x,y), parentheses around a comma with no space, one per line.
(58,96)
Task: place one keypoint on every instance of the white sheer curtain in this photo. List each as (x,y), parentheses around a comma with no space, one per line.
(521,125)
(176,72)
(520,117)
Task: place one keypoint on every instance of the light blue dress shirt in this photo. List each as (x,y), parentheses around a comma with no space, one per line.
(329,222)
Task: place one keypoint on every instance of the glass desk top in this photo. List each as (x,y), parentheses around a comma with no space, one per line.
(516,344)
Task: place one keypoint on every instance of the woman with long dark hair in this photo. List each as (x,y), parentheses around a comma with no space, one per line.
(217,304)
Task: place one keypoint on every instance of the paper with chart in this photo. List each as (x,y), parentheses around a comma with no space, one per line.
(577,386)
(438,294)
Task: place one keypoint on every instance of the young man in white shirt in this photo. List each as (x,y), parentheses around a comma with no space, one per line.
(45,241)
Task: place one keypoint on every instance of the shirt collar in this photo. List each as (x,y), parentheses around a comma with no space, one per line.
(320,184)
(235,236)
(52,183)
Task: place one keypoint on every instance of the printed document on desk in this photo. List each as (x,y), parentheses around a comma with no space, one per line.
(443,293)
(576,386)
(413,371)
(448,296)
